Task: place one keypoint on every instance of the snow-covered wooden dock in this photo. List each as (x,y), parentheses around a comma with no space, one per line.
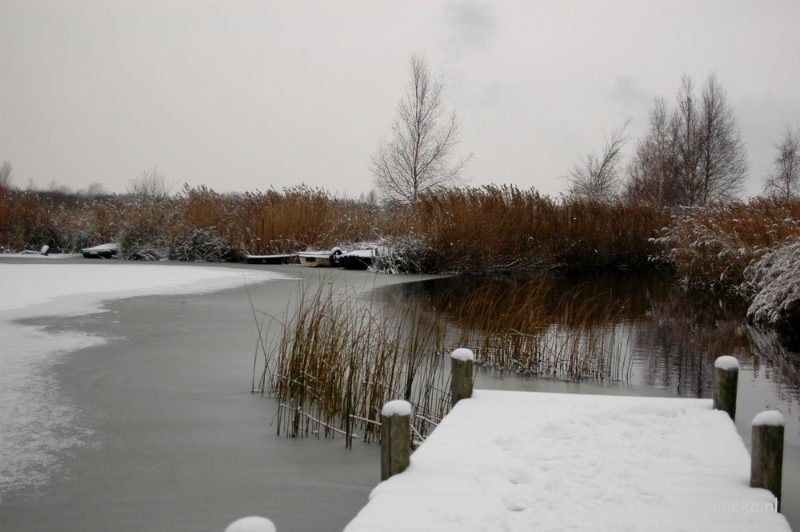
(537,461)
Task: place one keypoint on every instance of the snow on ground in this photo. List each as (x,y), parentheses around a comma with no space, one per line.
(516,461)
(35,421)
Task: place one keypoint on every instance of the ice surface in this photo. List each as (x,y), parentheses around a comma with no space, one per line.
(463,354)
(35,420)
(769,417)
(518,461)
(396,408)
(727,363)
(251,524)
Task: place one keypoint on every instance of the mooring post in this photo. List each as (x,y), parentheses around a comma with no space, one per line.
(251,524)
(395,438)
(726,382)
(766,455)
(461,361)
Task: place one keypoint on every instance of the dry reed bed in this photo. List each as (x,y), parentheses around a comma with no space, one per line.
(340,357)
(466,230)
(486,229)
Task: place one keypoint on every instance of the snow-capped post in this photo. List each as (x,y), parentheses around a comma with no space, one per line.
(395,438)
(461,361)
(726,382)
(766,455)
(251,524)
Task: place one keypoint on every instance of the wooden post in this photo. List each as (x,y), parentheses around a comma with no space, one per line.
(461,362)
(395,438)
(251,524)
(766,455)
(726,382)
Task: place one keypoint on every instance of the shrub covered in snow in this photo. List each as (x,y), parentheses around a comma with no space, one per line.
(775,281)
(202,245)
(405,255)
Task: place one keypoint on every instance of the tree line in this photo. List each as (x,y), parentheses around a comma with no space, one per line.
(691,155)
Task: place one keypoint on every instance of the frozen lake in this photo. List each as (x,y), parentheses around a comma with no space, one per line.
(141,417)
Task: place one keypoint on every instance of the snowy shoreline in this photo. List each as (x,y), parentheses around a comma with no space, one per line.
(35,421)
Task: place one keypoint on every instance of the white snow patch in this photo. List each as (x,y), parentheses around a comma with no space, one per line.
(463,354)
(36,422)
(517,461)
(396,408)
(769,417)
(727,363)
(251,524)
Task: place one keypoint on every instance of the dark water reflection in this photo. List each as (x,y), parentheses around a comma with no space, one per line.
(678,333)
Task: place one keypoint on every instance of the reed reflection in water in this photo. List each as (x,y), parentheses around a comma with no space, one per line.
(663,335)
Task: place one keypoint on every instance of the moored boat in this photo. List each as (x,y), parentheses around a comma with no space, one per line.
(286,258)
(359,259)
(103,251)
(317,259)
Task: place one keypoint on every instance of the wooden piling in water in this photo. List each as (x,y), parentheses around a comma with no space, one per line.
(395,438)
(766,454)
(461,364)
(726,382)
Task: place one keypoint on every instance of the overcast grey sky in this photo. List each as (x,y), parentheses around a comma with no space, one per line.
(242,95)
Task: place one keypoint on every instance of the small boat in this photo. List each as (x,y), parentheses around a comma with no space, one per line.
(320,259)
(286,258)
(103,251)
(360,259)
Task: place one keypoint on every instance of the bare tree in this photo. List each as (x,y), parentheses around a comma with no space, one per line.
(150,184)
(94,190)
(5,175)
(419,158)
(596,177)
(722,161)
(695,157)
(783,180)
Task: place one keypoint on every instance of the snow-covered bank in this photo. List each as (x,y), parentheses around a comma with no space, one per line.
(539,461)
(35,421)
(775,278)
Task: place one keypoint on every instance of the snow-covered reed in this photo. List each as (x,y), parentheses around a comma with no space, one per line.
(712,246)
(775,279)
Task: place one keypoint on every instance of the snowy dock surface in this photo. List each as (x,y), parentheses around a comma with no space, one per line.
(513,461)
